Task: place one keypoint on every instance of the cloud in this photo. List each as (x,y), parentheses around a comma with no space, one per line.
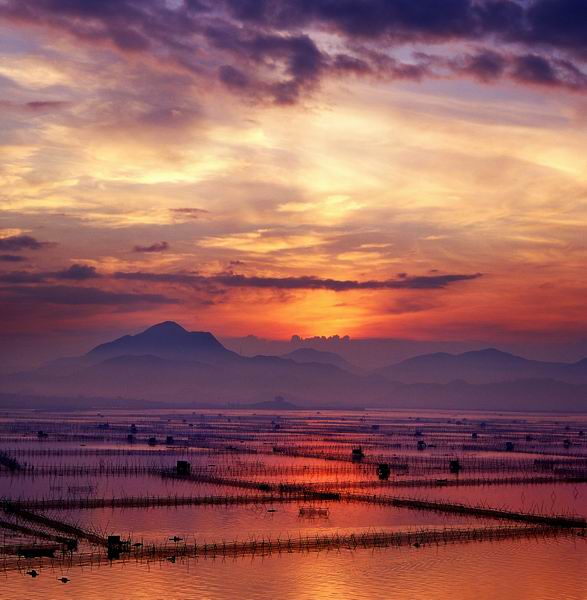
(535,69)
(412,305)
(75,272)
(233,78)
(421,282)
(232,280)
(22,277)
(69,295)
(46,105)
(35,106)
(274,49)
(558,23)
(538,70)
(78,272)
(11,258)
(301,60)
(189,213)
(22,242)
(360,18)
(156,247)
(486,65)
(530,69)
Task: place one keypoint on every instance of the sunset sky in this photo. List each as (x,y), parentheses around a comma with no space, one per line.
(376,168)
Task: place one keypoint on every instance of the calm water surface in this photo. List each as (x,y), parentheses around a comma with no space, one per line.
(314,449)
(521,570)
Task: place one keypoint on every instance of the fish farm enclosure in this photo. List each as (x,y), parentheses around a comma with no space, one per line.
(123,499)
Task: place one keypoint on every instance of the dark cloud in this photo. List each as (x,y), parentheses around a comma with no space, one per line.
(34,105)
(300,57)
(351,64)
(233,78)
(501,17)
(312,283)
(534,69)
(489,65)
(558,23)
(538,70)
(486,65)
(422,282)
(156,247)
(68,295)
(412,305)
(269,49)
(189,213)
(22,277)
(78,273)
(75,272)
(22,242)
(11,258)
(365,18)
(44,105)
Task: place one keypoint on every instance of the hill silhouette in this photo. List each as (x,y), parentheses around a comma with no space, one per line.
(168,364)
(481,366)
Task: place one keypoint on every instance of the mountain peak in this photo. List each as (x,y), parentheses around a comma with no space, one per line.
(311,355)
(488,352)
(166,340)
(491,354)
(165,327)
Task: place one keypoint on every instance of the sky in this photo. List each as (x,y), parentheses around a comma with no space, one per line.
(407,169)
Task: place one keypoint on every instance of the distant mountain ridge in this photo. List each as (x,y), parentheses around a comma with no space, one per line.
(168,364)
(311,355)
(481,366)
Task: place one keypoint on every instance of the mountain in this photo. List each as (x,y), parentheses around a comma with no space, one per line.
(481,366)
(365,353)
(311,355)
(168,364)
(166,340)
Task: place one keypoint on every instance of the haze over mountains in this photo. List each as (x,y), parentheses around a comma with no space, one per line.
(482,366)
(310,355)
(166,363)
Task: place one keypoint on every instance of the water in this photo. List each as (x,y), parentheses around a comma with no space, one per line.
(241,449)
(521,570)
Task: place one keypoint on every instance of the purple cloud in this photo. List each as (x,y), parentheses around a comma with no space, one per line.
(22,242)
(12,258)
(78,272)
(189,213)
(22,277)
(267,49)
(422,282)
(69,295)
(156,247)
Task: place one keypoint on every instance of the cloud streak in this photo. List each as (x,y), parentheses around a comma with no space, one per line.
(232,280)
(77,296)
(12,258)
(156,247)
(22,242)
(77,272)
